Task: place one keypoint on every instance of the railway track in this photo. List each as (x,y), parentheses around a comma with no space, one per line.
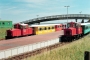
(35,52)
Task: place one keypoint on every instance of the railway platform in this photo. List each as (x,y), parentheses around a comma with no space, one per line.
(20,45)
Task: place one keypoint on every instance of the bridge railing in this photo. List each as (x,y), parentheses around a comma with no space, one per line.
(86,16)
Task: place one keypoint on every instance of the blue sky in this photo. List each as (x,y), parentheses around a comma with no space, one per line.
(21,10)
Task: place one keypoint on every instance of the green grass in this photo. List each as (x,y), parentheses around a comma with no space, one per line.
(72,51)
(3,33)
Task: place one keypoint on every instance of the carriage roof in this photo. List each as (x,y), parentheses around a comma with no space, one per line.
(85,23)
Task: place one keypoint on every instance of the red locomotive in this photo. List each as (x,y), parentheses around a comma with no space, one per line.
(73,30)
(19,30)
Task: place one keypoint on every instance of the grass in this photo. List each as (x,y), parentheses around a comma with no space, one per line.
(3,33)
(72,51)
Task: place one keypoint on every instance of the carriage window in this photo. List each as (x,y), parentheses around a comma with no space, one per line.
(58,26)
(45,28)
(48,27)
(40,29)
(52,27)
(86,27)
(3,23)
(8,23)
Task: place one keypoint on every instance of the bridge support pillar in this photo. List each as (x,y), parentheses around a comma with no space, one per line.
(88,20)
(76,20)
(38,23)
(82,21)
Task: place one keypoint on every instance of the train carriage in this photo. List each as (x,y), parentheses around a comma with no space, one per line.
(42,29)
(85,28)
(6,24)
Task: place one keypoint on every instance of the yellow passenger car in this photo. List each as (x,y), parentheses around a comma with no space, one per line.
(43,29)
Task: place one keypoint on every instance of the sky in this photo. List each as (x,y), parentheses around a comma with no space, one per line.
(21,10)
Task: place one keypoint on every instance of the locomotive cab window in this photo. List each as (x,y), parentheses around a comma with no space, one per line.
(71,24)
(68,25)
(78,25)
(23,27)
(17,26)
(74,25)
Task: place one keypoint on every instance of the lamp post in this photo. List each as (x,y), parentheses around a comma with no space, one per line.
(67,12)
(37,19)
(37,16)
(80,12)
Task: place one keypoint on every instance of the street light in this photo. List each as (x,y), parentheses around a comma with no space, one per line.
(37,19)
(80,12)
(37,16)
(67,12)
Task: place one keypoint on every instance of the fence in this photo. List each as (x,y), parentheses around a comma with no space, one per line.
(26,48)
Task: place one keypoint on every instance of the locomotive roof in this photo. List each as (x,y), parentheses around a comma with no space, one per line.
(24,24)
(85,23)
(44,25)
(21,24)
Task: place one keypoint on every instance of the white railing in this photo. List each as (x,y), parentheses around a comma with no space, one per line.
(26,48)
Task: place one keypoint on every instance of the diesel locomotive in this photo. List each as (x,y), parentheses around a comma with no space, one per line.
(74,31)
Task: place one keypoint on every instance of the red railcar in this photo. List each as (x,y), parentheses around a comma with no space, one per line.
(19,30)
(26,30)
(13,32)
(58,27)
(73,30)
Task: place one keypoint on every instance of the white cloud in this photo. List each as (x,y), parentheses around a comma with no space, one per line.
(32,1)
(13,11)
(10,8)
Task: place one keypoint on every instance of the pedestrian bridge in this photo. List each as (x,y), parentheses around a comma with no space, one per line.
(58,17)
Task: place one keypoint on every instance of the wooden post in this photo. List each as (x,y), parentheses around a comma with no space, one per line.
(87,55)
